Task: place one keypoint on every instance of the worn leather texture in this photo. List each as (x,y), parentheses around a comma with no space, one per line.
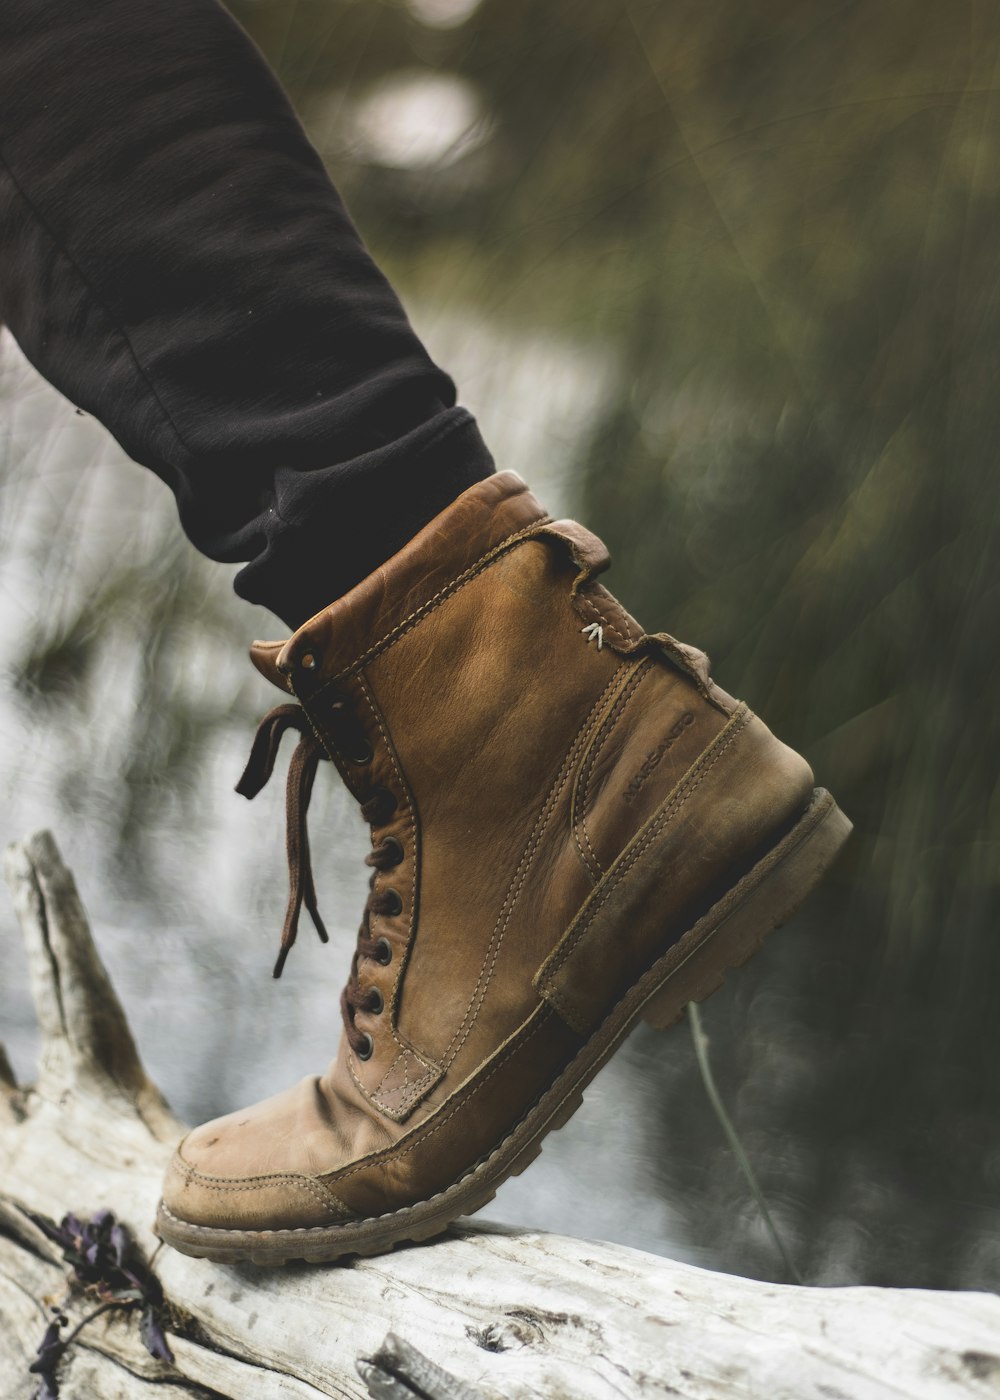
(567,789)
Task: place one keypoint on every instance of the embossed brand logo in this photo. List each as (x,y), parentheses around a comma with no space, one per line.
(654,756)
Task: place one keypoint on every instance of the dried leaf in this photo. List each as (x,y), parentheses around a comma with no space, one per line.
(152,1335)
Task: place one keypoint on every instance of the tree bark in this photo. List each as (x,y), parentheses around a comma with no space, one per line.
(495,1312)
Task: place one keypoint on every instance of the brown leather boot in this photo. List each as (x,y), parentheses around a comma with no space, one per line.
(572,828)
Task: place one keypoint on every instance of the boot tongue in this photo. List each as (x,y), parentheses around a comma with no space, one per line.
(264,656)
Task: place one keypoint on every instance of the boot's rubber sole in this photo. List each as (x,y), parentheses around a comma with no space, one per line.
(726,936)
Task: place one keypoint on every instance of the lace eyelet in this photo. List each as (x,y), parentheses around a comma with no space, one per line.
(377,1001)
(391,846)
(383,952)
(394,903)
(367,1048)
(364,757)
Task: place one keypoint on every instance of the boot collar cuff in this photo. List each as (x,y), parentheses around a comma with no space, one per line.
(482,522)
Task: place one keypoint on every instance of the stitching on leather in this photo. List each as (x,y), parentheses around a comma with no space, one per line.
(189,1171)
(406,1052)
(612,630)
(415,1091)
(702,768)
(412,1091)
(511,542)
(623,617)
(409,1091)
(583,780)
(220,1185)
(690,782)
(402,1060)
(406,1090)
(421,1136)
(521,874)
(589,857)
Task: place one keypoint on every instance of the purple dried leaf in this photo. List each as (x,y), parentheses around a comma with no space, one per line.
(47,1359)
(50,1353)
(153,1337)
(50,1341)
(104,1259)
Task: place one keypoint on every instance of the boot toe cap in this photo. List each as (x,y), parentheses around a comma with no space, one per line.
(238,1173)
(272,1201)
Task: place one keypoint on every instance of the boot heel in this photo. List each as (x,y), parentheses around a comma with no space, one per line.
(734,928)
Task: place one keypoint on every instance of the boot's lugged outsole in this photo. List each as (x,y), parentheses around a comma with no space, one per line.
(726,936)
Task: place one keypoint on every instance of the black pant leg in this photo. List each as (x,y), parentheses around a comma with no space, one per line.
(174,259)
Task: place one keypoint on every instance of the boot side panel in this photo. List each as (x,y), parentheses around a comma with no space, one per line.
(647,741)
(730,805)
(493,699)
(582,826)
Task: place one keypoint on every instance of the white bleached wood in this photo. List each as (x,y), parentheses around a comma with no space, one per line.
(514,1313)
(86,1040)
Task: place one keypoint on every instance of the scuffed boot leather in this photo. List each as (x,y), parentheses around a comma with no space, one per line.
(573,827)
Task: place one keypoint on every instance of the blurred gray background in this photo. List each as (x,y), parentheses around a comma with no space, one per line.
(722,280)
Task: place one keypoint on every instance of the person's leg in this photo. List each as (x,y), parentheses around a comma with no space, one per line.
(177,262)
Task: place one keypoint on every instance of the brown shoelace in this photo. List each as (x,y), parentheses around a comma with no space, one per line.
(377,805)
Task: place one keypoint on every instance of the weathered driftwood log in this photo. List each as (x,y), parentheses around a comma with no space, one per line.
(493,1312)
